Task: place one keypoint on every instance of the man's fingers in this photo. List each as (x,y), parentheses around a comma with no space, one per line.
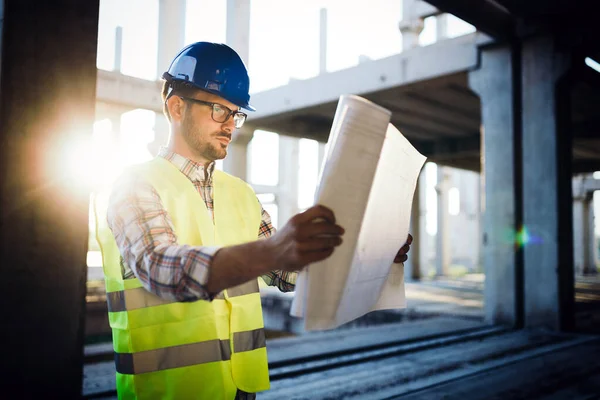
(409,240)
(400,258)
(317,211)
(404,249)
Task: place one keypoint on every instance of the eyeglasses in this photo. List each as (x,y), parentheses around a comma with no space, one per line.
(220,113)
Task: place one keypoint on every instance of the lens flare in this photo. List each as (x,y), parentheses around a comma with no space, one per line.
(524,237)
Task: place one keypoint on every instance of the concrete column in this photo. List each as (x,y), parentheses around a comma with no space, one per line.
(44,228)
(161,134)
(171,32)
(578,235)
(480,191)
(115,123)
(589,237)
(411,25)
(547,187)
(236,162)
(580,226)
(496,82)
(323,41)
(118,48)
(288,178)
(441,24)
(442,239)
(238,28)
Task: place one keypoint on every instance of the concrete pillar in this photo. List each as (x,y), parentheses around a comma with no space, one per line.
(117,140)
(498,86)
(44,228)
(441,24)
(584,240)
(323,41)
(118,48)
(579,234)
(161,134)
(288,178)
(238,28)
(236,162)
(443,254)
(171,32)
(480,191)
(589,237)
(411,25)
(547,186)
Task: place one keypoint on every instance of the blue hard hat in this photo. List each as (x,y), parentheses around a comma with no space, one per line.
(214,68)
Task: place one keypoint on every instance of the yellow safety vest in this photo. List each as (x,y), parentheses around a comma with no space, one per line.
(189,350)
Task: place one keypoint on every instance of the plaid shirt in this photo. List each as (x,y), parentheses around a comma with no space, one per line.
(148,245)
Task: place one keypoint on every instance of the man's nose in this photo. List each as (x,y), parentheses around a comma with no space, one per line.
(229,125)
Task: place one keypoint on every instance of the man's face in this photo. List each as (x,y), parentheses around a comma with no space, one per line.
(205,137)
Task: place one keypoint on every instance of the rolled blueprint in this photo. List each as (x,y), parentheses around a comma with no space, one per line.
(368,179)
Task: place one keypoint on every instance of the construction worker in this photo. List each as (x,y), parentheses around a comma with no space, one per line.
(180,249)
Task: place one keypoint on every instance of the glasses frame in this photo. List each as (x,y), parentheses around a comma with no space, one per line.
(212,113)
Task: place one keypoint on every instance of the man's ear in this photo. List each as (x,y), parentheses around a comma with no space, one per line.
(176,108)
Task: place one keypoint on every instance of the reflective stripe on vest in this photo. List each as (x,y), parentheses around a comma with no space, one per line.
(133,299)
(172,357)
(189,354)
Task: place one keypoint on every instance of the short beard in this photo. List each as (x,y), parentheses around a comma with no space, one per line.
(206,149)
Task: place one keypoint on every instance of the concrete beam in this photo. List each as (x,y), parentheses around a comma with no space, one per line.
(589,129)
(110,110)
(485,15)
(48,73)
(419,64)
(584,185)
(301,127)
(127,91)
(450,147)
(583,166)
(420,9)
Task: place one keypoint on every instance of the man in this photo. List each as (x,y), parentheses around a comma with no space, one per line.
(181,259)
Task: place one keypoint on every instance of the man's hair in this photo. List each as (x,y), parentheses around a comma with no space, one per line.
(165,91)
(179,89)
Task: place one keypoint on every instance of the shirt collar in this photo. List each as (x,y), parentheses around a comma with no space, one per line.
(194,171)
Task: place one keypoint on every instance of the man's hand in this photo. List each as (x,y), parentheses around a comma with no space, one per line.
(402,253)
(308,237)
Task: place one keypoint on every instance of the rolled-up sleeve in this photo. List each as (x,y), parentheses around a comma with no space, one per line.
(148,244)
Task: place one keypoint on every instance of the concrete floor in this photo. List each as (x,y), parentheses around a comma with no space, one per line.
(441,348)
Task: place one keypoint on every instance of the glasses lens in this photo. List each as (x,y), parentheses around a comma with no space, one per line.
(219,113)
(239,119)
